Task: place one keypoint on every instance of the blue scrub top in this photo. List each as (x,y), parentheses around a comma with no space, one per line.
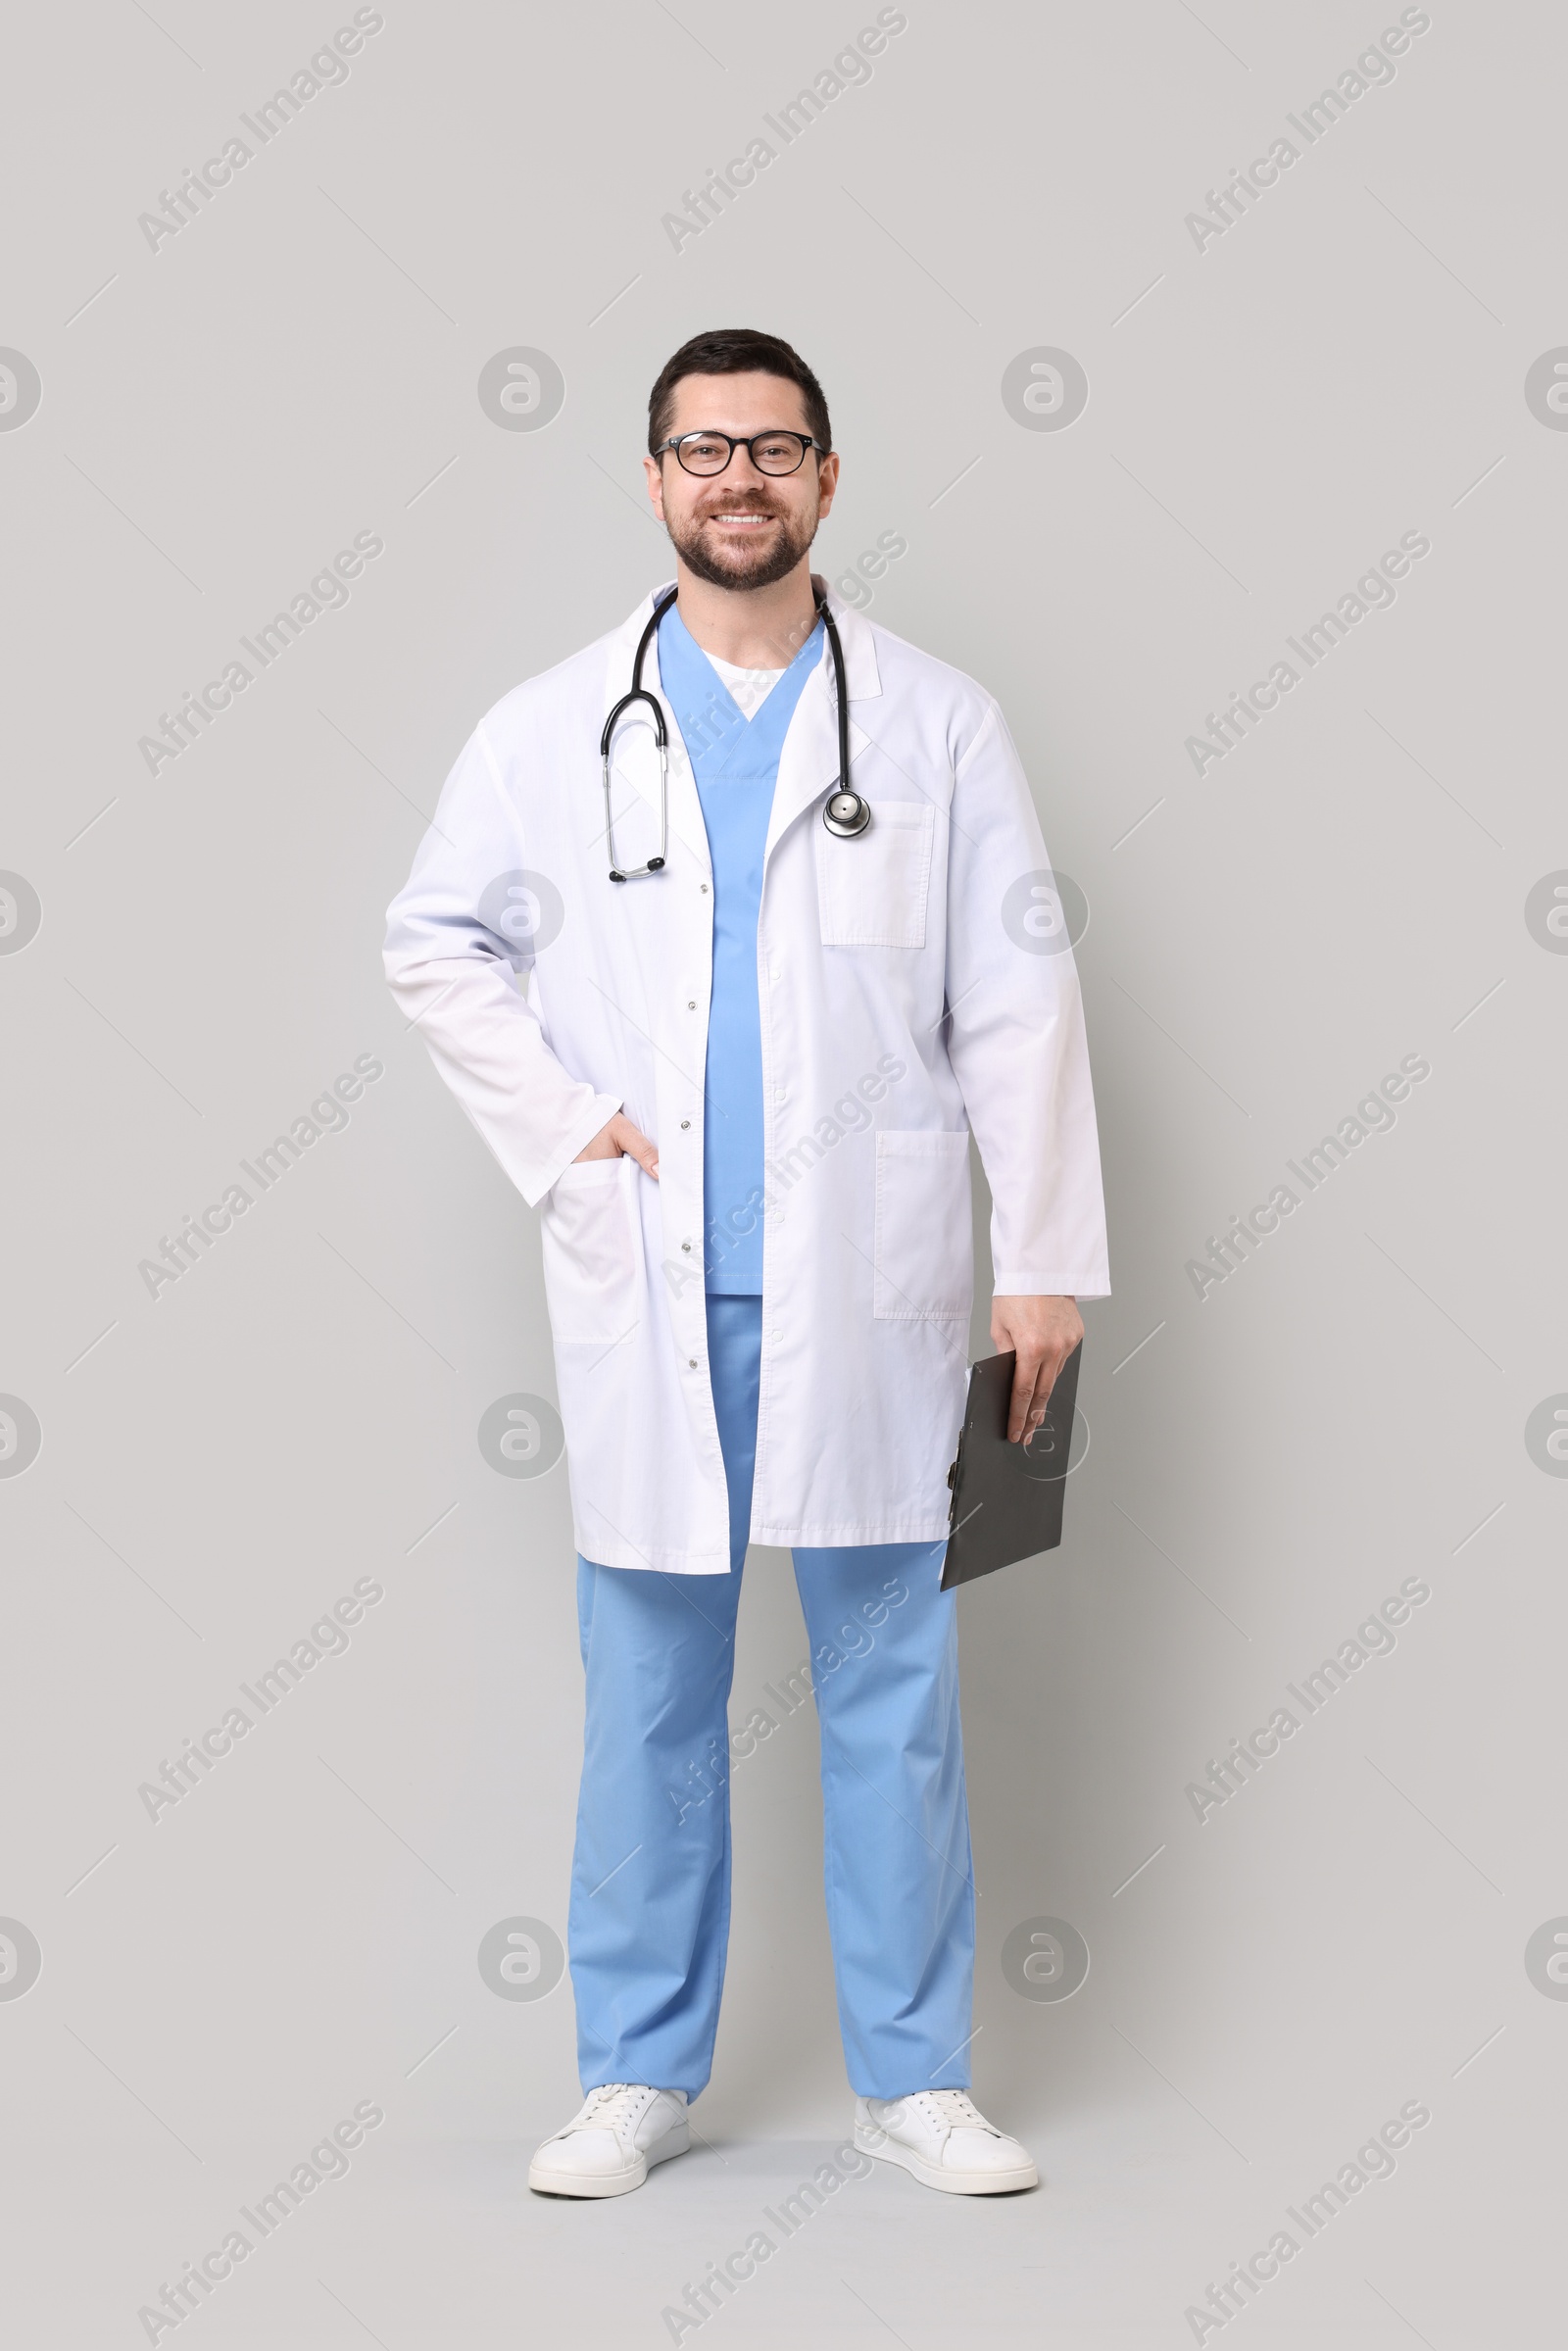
(735,762)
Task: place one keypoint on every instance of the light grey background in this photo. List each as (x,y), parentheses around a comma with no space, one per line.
(218,1464)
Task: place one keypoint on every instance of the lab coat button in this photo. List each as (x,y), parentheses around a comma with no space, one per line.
(690,1003)
(686,1244)
(685,1123)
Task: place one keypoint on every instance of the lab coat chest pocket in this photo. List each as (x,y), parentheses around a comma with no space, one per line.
(871,890)
(922,1250)
(591,1234)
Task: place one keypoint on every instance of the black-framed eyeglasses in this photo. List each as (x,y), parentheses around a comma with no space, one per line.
(769,452)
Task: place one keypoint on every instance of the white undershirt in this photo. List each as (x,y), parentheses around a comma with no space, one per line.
(749,688)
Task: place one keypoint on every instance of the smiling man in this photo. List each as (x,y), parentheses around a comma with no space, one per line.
(768,992)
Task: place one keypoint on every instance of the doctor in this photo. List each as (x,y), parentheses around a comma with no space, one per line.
(740,1087)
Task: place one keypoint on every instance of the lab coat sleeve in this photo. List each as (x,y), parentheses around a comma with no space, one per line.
(453,976)
(1017,1037)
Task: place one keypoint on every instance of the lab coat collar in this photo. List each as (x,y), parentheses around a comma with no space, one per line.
(809,760)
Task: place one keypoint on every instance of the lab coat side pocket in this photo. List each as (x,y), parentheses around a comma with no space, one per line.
(590,1228)
(923,1251)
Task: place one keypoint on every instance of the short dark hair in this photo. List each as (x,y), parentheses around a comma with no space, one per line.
(735,350)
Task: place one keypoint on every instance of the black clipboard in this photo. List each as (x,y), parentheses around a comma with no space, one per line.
(1006,1499)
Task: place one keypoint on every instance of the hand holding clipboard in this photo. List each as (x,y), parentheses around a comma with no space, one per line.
(1006,1499)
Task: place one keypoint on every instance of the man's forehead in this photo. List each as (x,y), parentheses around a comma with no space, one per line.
(737,403)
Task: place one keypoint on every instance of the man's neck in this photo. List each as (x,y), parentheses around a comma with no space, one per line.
(755,628)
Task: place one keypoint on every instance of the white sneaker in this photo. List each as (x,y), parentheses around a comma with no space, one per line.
(607,2148)
(943,2139)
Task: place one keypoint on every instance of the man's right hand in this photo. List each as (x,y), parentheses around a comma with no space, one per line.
(621,1139)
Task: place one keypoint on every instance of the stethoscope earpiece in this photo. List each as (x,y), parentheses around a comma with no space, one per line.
(617,873)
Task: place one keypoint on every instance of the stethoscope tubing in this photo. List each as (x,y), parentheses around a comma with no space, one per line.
(848,821)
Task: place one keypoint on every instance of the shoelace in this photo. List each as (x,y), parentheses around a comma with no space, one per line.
(614,2105)
(957,2110)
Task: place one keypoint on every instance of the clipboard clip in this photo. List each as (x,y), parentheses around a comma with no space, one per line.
(953,1467)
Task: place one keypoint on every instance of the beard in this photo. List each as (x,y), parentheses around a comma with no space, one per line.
(727,564)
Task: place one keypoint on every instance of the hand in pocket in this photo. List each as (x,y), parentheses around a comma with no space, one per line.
(620,1138)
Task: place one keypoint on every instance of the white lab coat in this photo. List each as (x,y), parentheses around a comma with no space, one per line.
(904,1000)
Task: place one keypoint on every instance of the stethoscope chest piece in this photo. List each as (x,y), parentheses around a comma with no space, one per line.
(845,814)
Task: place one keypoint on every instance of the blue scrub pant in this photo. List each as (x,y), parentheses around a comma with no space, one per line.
(650,1876)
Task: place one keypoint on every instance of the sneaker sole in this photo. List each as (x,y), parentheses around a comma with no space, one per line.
(951,2183)
(545,2181)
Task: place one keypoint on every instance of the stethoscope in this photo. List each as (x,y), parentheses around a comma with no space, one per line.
(844,812)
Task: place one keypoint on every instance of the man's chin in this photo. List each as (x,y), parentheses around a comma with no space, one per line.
(723,564)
